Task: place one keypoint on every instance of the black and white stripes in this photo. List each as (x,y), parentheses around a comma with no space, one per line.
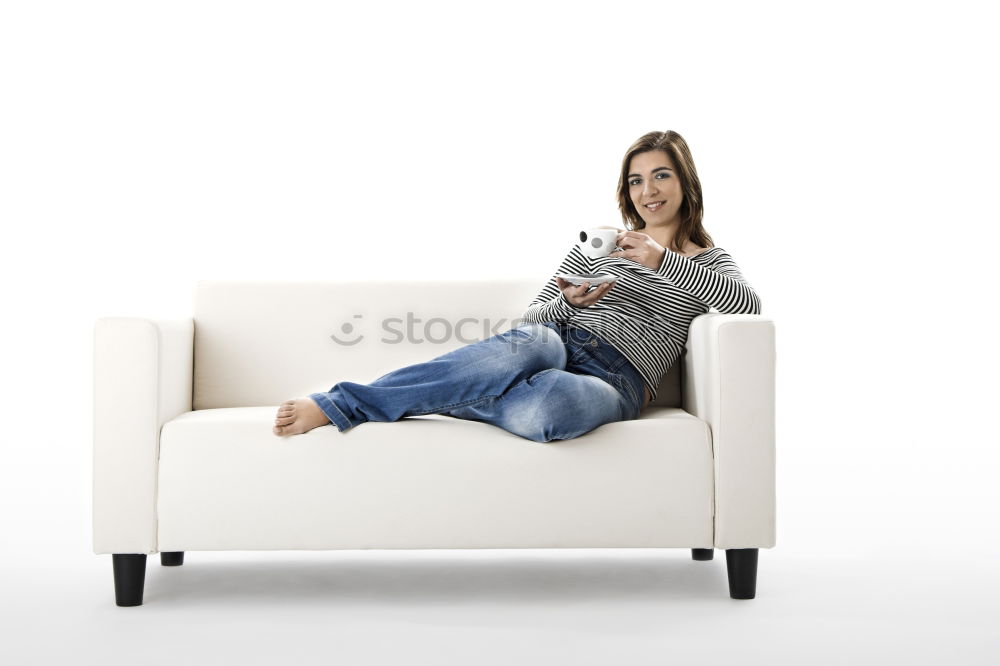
(647,313)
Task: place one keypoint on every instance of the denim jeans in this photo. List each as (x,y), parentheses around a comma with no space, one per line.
(539,381)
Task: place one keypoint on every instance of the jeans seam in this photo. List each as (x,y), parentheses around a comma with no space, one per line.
(501,395)
(455,405)
(626,386)
(617,364)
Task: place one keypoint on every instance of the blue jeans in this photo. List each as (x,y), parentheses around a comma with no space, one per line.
(539,381)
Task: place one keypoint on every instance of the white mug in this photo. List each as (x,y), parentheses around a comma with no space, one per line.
(598,242)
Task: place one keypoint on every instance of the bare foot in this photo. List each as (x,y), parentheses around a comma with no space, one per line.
(298,416)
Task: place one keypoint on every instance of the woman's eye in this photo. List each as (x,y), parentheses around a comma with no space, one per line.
(639,180)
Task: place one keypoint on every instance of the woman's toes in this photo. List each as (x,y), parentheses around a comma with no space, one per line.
(284,411)
(297,416)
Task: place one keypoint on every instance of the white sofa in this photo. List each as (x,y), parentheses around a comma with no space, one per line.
(185,458)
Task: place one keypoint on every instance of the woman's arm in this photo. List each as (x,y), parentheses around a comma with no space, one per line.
(550,304)
(722,286)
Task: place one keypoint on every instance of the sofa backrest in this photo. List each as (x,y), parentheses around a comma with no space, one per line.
(260,343)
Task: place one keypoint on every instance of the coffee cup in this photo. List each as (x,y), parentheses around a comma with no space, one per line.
(598,242)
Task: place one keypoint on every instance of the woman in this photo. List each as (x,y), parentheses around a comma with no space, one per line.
(585,357)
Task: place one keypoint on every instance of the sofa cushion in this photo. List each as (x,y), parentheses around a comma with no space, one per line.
(227,483)
(261,343)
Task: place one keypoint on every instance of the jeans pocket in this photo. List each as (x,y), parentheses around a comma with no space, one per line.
(624,386)
(576,355)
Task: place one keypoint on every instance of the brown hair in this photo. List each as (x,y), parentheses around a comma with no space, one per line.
(692,208)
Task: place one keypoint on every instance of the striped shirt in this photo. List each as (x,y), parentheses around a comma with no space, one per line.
(647,313)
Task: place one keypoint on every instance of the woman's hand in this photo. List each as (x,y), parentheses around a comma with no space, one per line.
(640,248)
(578,296)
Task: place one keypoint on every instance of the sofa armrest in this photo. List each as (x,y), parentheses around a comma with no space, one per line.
(142,378)
(728,381)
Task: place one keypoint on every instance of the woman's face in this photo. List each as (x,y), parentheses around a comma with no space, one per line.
(652,179)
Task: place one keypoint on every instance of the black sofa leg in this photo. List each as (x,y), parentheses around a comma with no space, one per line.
(702,554)
(130,576)
(741,565)
(173,559)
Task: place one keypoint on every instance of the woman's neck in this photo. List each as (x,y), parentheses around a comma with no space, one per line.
(663,234)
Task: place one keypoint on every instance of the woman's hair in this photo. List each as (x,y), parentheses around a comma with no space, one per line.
(692,208)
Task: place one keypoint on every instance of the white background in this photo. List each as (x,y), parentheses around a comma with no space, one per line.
(848,155)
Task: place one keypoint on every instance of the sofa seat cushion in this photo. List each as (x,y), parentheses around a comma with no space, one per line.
(226,482)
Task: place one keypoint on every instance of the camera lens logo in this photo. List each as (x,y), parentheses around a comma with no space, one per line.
(347,328)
